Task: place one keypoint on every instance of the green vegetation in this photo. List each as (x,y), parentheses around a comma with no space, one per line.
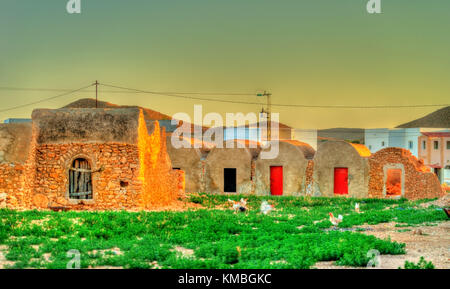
(422,264)
(297,235)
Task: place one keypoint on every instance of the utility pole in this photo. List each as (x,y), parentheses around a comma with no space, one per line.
(268,95)
(96,94)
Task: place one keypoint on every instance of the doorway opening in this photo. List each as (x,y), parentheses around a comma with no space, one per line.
(276,180)
(229,180)
(394,182)
(340,181)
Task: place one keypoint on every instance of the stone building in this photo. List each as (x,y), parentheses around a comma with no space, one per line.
(87,158)
(395,172)
(341,168)
(286,173)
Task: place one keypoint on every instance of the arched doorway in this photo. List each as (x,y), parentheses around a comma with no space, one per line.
(80,180)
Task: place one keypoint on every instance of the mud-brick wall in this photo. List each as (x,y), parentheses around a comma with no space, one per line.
(115,178)
(419,182)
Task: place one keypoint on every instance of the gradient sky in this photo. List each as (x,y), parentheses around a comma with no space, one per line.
(318,52)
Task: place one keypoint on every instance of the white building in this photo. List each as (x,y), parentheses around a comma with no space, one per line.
(255,133)
(376,139)
(406,138)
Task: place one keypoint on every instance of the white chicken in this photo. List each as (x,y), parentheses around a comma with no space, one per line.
(266,207)
(357,208)
(239,206)
(335,221)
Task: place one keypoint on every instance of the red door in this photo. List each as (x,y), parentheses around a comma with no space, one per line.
(340,181)
(276,180)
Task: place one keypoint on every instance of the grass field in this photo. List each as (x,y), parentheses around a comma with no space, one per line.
(297,235)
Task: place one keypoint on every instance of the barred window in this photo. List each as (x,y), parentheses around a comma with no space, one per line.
(80,180)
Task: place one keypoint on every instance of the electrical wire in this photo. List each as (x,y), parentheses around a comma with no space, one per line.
(44,99)
(188,95)
(273,104)
(115,91)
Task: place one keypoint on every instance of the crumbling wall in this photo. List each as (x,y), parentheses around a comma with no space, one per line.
(161,184)
(187,159)
(419,181)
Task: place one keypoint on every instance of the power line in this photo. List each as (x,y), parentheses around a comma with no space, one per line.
(8,88)
(44,99)
(273,104)
(188,95)
(180,95)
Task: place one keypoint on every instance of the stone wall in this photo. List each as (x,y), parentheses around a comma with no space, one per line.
(12,185)
(418,181)
(115,174)
(309,178)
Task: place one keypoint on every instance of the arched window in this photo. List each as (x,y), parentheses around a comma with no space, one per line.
(80,180)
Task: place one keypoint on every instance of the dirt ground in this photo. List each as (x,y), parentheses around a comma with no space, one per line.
(3,261)
(431,242)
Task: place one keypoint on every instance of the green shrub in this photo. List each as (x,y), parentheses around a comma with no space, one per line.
(422,264)
(229,254)
(296,235)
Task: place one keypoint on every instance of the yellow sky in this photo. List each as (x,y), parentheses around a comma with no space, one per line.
(305,52)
